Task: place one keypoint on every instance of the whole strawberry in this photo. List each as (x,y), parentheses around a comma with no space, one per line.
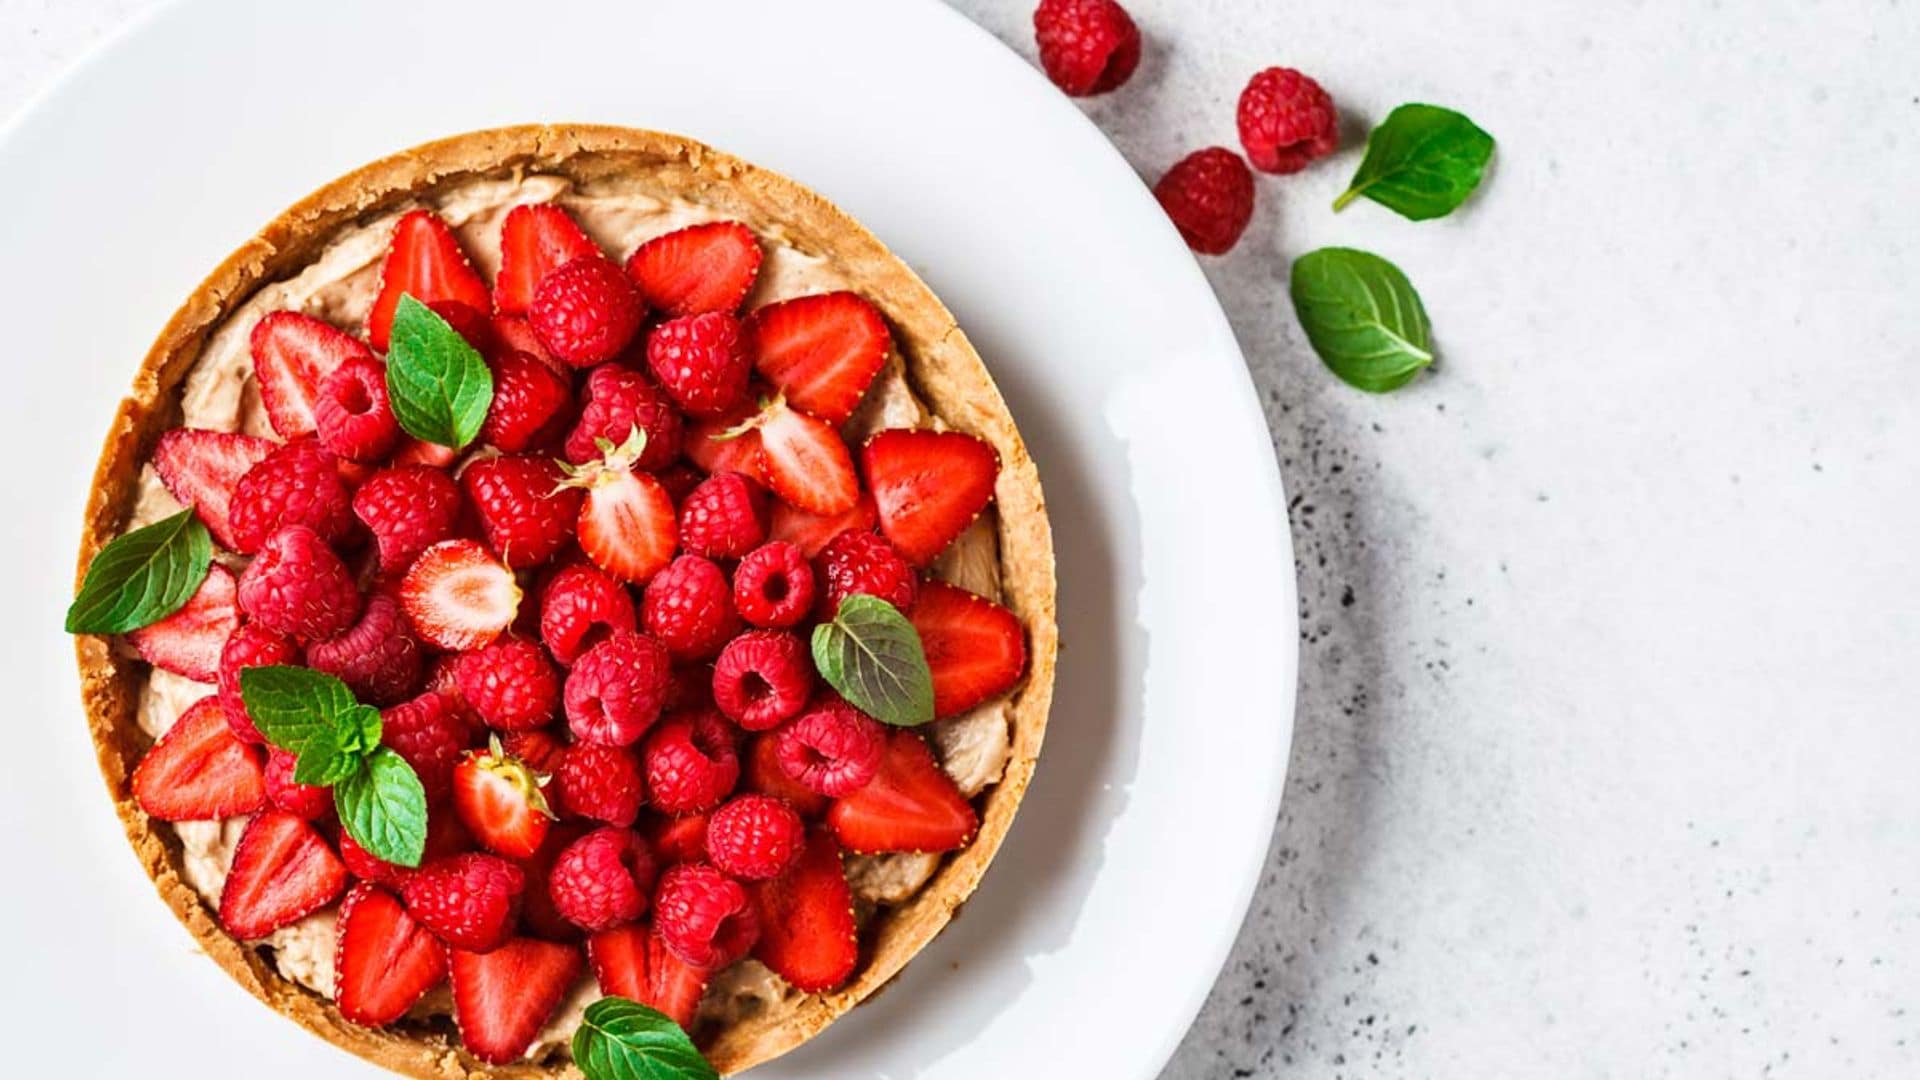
(299,587)
(468,901)
(1086,46)
(1209,196)
(587,311)
(298,484)
(408,508)
(527,514)
(1286,121)
(702,362)
(615,691)
(602,879)
(620,401)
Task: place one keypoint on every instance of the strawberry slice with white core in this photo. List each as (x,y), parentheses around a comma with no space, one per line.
(976,649)
(535,239)
(201,467)
(718,445)
(293,353)
(283,870)
(188,642)
(701,268)
(499,800)
(807,463)
(199,771)
(627,524)
(386,961)
(423,261)
(821,351)
(458,596)
(928,486)
(631,962)
(502,998)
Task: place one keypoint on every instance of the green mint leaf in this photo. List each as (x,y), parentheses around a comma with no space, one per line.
(297,708)
(624,1040)
(1363,317)
(384,808)
(438,385)
(872,655)
(142,577)
(323,762)
(1422,162)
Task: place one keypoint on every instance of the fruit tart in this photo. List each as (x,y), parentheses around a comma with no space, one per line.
(561,599)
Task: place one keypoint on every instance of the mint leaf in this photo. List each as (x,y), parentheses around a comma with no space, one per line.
(1422,161)
(1363,317)
(624,1040)
(384,808)
(438,385)
(142,577)
(296,707)
(873,656)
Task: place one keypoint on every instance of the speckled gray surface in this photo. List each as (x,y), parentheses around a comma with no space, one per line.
(1607,745)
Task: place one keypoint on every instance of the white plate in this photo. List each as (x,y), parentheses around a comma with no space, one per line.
(1100,928)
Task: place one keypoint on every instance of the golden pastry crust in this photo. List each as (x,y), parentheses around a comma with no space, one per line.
(941,366)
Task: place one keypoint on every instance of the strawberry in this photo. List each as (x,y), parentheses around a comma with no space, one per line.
(499,801)
(199,771)
(811,532)
(293,354)
(522,505)
(538,914)
(535,240)
(975,648)
(701,268)
(385,961)
(502,998)
(283,870)
(807,933)
(423,261)
(716,445)
(469,322)
(821,351)
(626,523)
(761,771)
(632,962)
(909,805)
(928,486)
(806,462)
(677,839)
(201,469)
(188,642)
(420,452)
(458,596)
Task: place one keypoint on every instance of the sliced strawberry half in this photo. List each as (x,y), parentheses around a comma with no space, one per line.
(414,451)
(385,961)
(631,962)
(283,870)
(807,463)
(627,525)
(188,642)
(458,596)
(807,933)
(200,468)
(293,353)
(910,805)
(423,261)
(534,239)
(709,267)
(717,444)
(502,998)
(810,532)
(762,773)
(498,799)
(928,486)
(199,771)
(975,648)
(821,351)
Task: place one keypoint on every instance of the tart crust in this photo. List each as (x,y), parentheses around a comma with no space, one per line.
(941,366)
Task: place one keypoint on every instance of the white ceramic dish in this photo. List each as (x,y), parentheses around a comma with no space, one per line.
(1102,924)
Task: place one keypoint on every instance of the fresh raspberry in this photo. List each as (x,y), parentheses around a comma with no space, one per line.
(762,678)
(1209,196)
(298,586)
(755,837)
(408,508)
(689,607)
(298,484)
(351,412)
(773,585)
(691,762)
(832,749)
(676,839)
(615,689)
(443,678)
(377,657)
(1286,121)
(469,901)
(431,734)
(618,401)
(579,607)
(527,515)
(510,684)
(724,517)
(691,687)
(541,749)
(859,561)
(530,400)
(602,879)
(251,645)
(702,362)
(587,311)
(1086,46)
(300,800)
(602,783)
(704,917)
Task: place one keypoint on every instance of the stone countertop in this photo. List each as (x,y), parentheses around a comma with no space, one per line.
(1606,752)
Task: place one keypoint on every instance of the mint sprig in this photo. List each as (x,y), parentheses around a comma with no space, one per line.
(1422,162)
(384,808)
(872,655)
(142,577)
(437,383)
(620,1039)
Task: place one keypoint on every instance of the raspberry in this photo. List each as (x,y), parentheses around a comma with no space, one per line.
(300,800)
(251,645)
(677,839)
(755,837)
(431,734)
(469,901)
(586,311)
(377,657)
(702,362)
(619,400)
(615,690)
(724,517)
(298,586)
(602,879)
(602,783)
(541,749)
(298,484)
(1209,196)
(691,763)
(689,607)
(579,607)
(762,678)
(773,585)
(691,687)
(530,400)
(510,684)
(408,508)
(351,411)
(832,748)
(858,561)
(704,917)
(527,515)
(1086,46)
(443,678)
(1286,121)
